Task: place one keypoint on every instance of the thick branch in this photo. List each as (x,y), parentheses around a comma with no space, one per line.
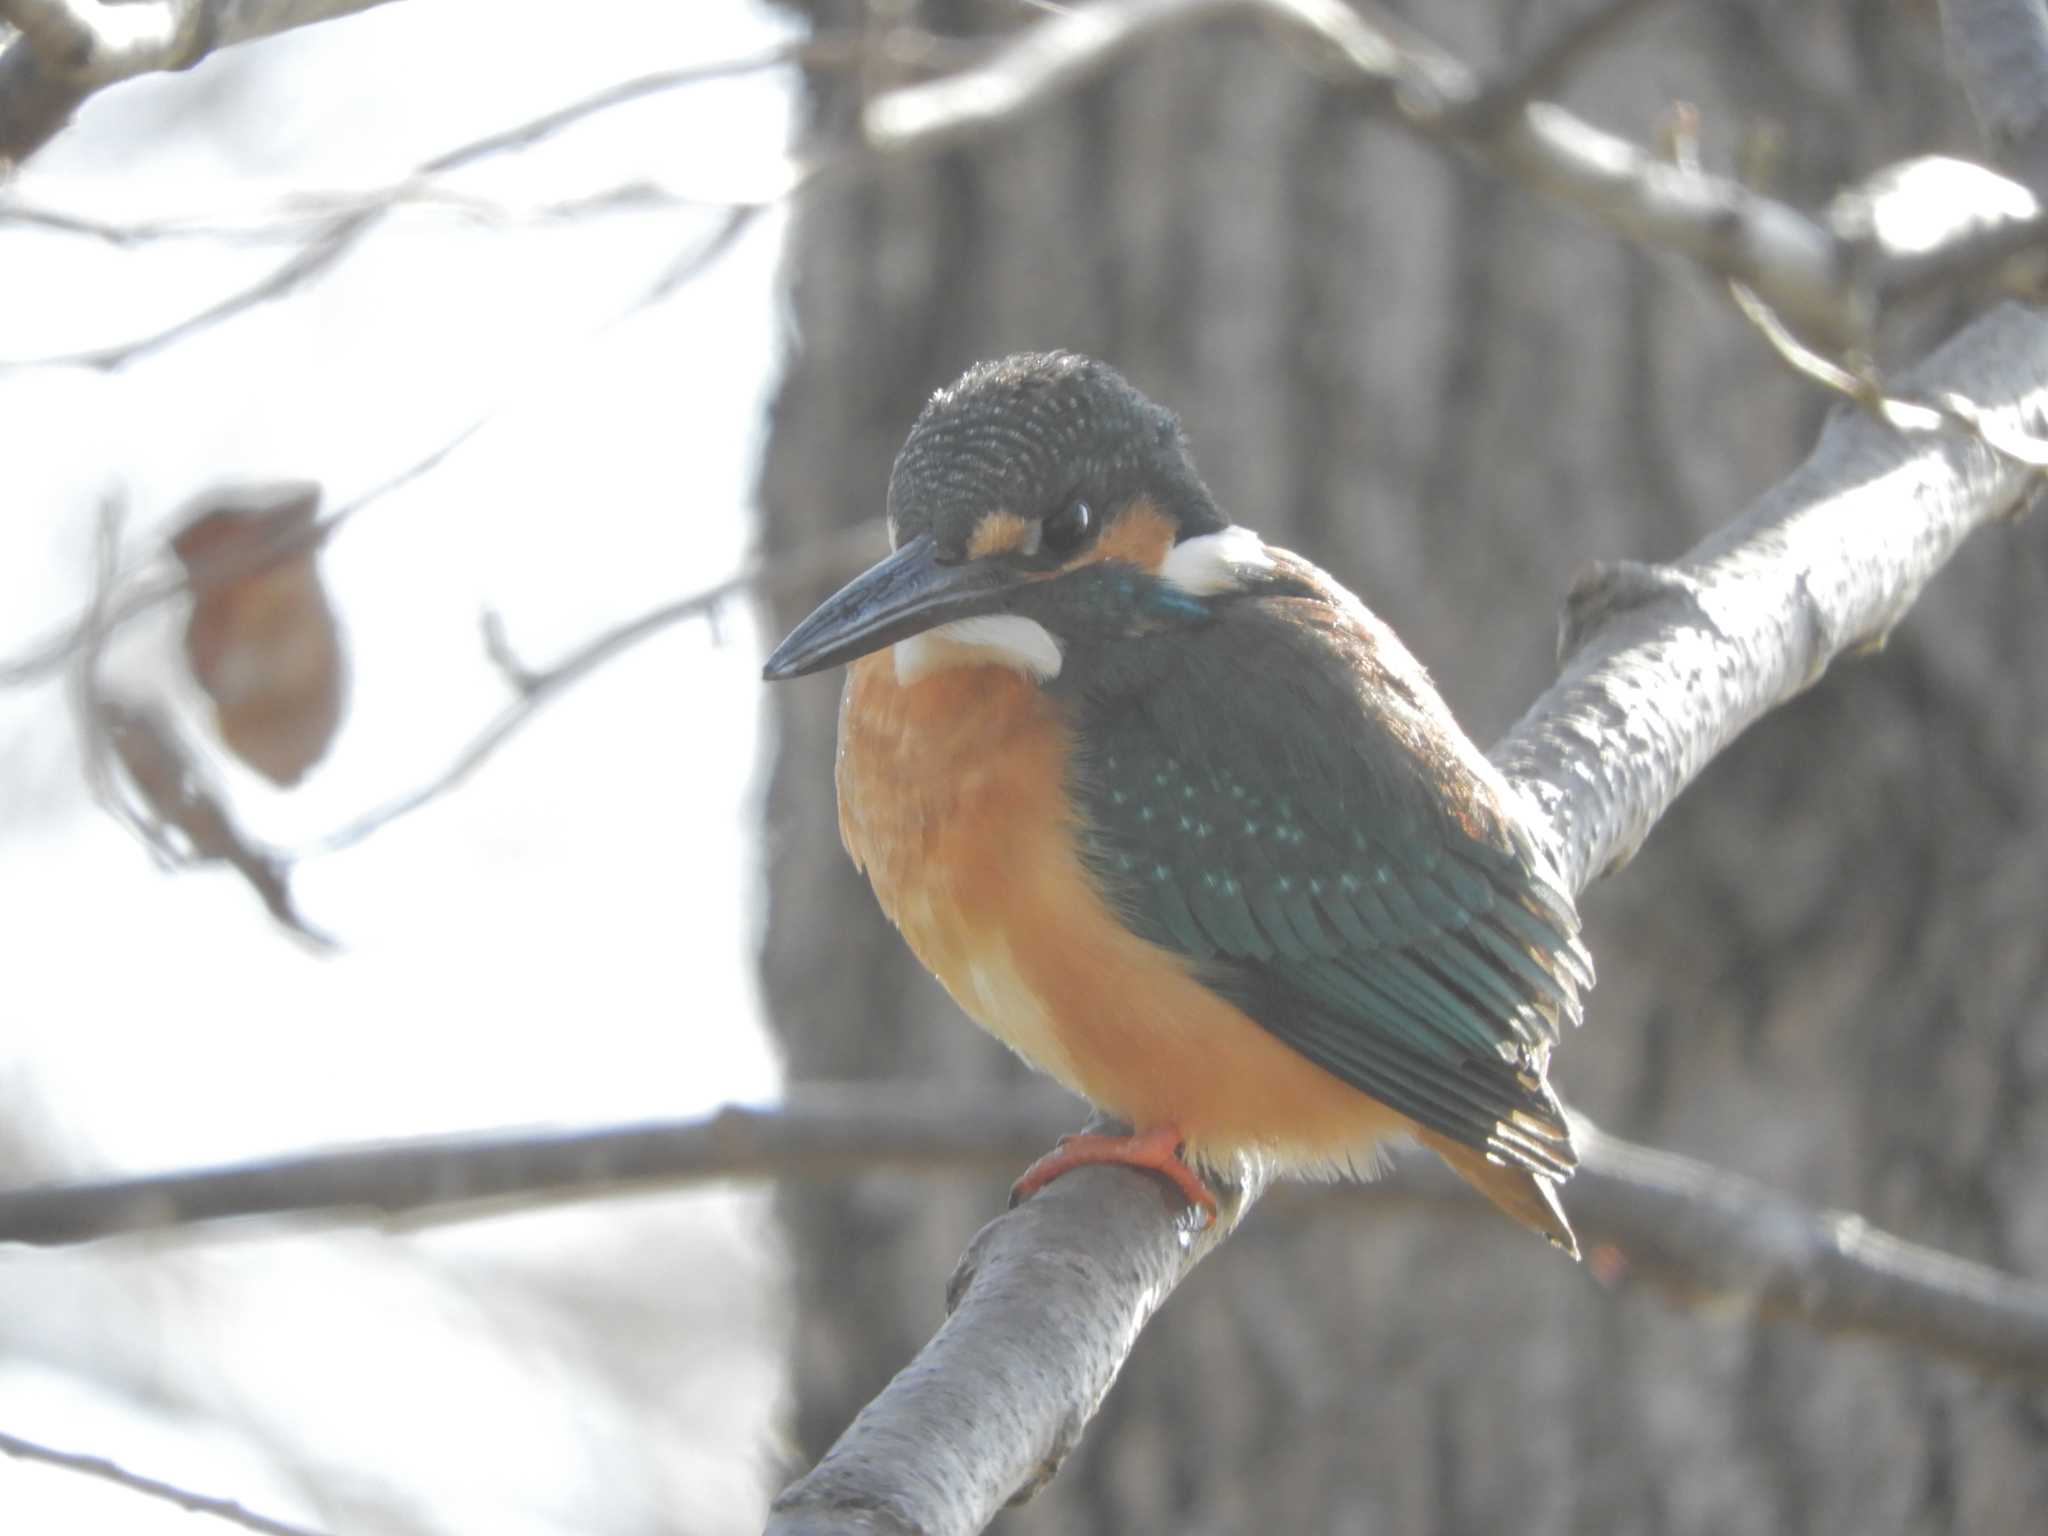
(1673,662)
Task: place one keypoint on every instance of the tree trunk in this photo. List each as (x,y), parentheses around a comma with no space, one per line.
(1825,968)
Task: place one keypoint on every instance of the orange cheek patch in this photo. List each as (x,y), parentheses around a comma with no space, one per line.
(998,533)
(1139,535)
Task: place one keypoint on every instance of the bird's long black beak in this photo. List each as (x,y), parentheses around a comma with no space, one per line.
(904,595)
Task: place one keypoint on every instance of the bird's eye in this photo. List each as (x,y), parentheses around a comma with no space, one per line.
(1067,529)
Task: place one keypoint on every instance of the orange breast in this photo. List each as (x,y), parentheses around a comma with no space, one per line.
(952,799)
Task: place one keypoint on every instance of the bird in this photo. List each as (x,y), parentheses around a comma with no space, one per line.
(1176,817)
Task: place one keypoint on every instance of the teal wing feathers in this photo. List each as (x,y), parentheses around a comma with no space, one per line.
(1280,796)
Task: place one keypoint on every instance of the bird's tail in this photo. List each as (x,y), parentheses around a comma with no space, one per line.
(1527,1196)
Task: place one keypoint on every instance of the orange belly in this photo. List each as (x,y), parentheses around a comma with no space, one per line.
(951,798)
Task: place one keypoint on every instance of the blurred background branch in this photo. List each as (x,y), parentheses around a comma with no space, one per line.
(226,1510)
(66,50)
(1701,1237)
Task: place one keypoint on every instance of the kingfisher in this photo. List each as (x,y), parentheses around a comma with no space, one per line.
(1177,818)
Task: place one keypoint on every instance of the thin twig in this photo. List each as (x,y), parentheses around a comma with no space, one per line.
(334,242)
(1947,411)
(341,220)
(150,1487)
(145,594)
(181,798)
(534,689)
(88,710)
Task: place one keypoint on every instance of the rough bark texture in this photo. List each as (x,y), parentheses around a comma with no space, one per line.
(1824,970)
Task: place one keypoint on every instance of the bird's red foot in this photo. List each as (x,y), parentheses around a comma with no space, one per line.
(1156,1151)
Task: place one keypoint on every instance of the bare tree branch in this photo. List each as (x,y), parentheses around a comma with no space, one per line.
(1829,277)
(180,798)
(150,1487)
(326,227)
(1702,1237)
(69,49)
(1673,662)
(1829,282)
(1708,1238)
(823,1133)
(92,43)
(534,689)
(145,594)
(349,219)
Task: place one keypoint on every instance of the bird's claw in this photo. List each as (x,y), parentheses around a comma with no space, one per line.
(1155,1151)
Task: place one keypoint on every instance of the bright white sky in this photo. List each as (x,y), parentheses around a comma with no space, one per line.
(569,939)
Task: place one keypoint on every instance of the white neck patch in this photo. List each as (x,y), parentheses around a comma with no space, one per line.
(1000,640)
(1216,562)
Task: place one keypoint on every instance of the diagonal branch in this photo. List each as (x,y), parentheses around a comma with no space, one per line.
(1671,663)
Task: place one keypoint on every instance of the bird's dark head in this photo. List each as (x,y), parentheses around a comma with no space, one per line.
(1039,505)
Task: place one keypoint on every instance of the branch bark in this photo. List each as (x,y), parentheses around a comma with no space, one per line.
(1670,663)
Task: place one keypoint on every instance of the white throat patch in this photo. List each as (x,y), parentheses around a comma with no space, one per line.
(1002,640)
(1216,562)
